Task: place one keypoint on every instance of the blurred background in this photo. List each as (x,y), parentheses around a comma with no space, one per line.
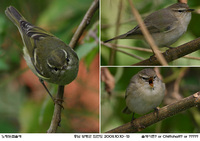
(180,82)
(25,106)
(126,21)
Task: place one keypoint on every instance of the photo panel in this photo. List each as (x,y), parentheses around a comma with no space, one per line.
(123,42)
(162,98)
(49,48)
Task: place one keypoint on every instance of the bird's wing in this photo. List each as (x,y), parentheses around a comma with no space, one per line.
(132,86)
(28,31)
(156,22)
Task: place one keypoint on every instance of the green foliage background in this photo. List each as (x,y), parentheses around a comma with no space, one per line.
(184,122)
(18,112)
(109,12)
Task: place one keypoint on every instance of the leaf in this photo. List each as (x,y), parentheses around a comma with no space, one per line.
(3,65)
(85,49)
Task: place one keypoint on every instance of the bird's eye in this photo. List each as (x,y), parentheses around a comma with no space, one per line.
(55,69)
(154,77)
(180,11)
(67,59)
(145,79)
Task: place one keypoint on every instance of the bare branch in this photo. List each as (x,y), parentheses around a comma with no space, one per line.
(86,20)
(163,113)
(110,45)
(127,53)
(128,47)
(144,50)
(173,54)
(55,122)
(108,79)
(113,51)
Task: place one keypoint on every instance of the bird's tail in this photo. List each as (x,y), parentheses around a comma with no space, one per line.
(25,28)
(118,37)
(14,16)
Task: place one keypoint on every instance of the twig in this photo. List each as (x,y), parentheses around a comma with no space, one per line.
(129,47)
(178,80)
(143,49)
(173,54)
(86,20)
(147,35)
(113,51)
(192,57)
(165,112)
(108,79)
(55,122)
(114,48)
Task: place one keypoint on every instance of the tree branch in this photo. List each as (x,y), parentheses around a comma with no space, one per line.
(56,119)
(86,20)
(109,45)
(55,122)
(113,51)
(173,54)
(127,53)
(165,112)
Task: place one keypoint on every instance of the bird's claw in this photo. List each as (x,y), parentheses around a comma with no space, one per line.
(58,102)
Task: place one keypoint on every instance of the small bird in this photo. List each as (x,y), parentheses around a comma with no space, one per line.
(48,57)
(144,92)
(166,25)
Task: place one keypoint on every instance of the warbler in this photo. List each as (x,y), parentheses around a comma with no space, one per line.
(166,25)
(144,92)
(47,56)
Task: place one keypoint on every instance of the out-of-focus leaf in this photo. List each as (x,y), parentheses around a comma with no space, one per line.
(58,10)
(8,125)
(90,57)
(85,49)
(3,65)
(2,28)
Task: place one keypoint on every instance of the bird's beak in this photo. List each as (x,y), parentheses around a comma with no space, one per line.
(65,67)
(151,82)
(190,10)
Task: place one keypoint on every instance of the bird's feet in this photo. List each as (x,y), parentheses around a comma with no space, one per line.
(156,111)
(58,102)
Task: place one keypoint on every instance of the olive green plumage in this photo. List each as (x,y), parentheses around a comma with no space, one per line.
(46,55)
